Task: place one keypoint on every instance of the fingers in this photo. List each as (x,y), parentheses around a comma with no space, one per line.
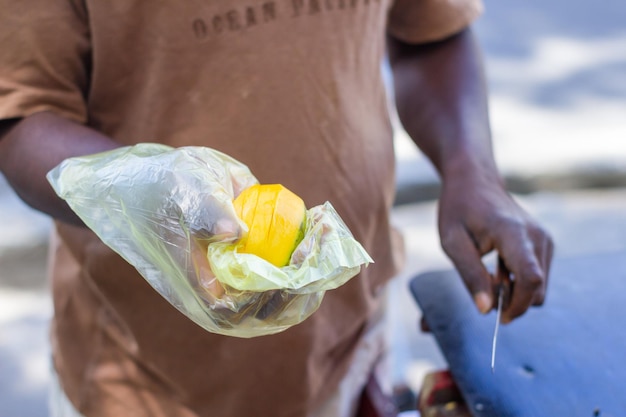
(206,280)
(459,246)
(544,252)
(526,253)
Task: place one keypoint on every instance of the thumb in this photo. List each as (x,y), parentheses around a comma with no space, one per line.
(214,219)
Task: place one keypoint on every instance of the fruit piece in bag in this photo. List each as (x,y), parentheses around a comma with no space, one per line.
(275,219)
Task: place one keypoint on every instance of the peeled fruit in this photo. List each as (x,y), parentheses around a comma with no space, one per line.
(275,219)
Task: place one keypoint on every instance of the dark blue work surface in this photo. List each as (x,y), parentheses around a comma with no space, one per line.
(565,359)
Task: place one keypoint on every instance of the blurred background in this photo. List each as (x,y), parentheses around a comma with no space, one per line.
(557,77)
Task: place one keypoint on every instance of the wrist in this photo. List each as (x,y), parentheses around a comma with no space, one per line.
(466,165)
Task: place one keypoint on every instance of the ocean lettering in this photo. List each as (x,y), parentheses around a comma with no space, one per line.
(234,20)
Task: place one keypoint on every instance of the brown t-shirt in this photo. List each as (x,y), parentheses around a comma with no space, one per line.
(293,89)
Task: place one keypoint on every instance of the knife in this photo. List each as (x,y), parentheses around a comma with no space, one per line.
(497,327)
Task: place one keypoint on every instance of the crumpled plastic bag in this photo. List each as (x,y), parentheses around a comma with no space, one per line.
(169,213)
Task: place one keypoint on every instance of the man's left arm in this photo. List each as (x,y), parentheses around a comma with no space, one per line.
(442,102)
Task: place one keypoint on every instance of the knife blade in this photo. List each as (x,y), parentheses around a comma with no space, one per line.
(496,328)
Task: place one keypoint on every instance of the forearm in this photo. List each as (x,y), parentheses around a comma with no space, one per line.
(32,146)
(442,103)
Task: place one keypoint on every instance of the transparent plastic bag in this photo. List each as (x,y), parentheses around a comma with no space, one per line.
(169,213)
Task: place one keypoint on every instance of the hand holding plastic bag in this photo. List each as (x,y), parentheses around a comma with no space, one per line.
(164,209)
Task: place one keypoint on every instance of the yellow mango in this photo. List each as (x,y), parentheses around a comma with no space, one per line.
(275,219)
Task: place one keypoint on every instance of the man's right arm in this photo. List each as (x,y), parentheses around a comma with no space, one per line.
(32,146)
